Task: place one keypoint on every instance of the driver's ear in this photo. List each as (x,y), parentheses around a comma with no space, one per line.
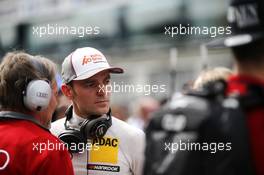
(67,91)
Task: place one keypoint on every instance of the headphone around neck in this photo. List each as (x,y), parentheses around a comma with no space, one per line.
(90,129)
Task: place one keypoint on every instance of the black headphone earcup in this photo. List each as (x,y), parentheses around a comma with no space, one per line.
(95,128)
(72,139)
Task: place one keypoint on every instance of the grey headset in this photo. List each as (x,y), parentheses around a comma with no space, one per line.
(37,93)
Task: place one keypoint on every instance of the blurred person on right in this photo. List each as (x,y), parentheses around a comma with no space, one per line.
(218,130)
(210,76)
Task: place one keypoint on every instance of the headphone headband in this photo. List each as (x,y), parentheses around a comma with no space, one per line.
(69,112)
(90,129)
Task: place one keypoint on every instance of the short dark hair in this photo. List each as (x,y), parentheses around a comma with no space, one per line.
(250,53)
(16,70)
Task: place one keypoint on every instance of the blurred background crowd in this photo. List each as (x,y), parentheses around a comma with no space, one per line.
(131,34)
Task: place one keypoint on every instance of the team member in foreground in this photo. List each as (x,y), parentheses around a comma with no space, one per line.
(28,98)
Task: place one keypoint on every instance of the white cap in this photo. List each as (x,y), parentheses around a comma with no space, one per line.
(85,62)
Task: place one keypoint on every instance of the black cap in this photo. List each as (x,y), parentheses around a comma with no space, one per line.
(246,19)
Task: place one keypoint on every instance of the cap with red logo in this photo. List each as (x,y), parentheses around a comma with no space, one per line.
(85,62)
